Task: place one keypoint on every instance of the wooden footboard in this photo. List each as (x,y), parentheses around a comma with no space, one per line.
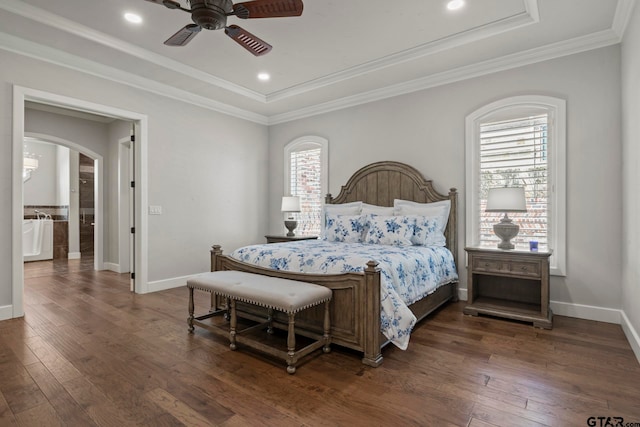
(355,307)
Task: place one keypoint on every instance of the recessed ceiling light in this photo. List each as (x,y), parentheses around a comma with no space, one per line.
(133,18)
(264,77)
(455,4)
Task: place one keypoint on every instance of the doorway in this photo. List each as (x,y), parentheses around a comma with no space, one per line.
(22,95)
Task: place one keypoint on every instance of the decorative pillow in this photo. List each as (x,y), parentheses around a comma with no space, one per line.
(438,210)
(376,210)
(428,232)
(352,208)
(389,230)
(344,228)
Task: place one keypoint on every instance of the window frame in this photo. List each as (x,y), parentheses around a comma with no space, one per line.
(556,110)
(306,143)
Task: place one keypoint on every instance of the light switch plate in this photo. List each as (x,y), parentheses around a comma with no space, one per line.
(155,210)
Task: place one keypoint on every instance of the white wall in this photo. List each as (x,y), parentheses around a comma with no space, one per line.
(62,175)
(426,130)
(207,170)
(42,188)
(631,178)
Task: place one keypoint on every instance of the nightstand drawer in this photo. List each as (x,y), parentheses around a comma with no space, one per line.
(490,265)
(524,268)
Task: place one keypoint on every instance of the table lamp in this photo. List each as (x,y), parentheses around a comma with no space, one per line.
(506,199)
(290,204)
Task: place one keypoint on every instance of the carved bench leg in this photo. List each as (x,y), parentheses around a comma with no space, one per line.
(327,328)
(234,321)
(270,321)
(291,345)
(191,310)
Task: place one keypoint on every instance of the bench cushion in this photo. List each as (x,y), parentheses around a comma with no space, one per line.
(289,296)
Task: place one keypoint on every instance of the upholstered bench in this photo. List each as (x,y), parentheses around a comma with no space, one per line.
(287,296)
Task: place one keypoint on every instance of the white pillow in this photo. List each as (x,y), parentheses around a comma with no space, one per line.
(352,208)
(428,232)
(438,210)
(377,210)
(389,230)
(344,228)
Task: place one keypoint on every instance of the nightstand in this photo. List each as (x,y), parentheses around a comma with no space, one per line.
(509,283)
(284,238)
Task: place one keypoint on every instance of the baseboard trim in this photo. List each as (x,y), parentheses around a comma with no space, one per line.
(161,285)
(587,312)
(631,334)
(462,294)
(112,266)
(74,255)
(6,312)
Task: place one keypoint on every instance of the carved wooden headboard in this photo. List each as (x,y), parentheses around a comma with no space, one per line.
(382,182)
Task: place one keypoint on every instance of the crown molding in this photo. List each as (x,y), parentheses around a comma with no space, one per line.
(55,21)
(580,44)
(624,8)
(568,47)
(530,16)
(54,56)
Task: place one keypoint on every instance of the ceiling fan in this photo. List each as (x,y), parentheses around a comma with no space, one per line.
(212,15)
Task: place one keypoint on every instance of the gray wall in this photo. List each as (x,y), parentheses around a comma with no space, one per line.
(207,170)
(631,167)
(426,130)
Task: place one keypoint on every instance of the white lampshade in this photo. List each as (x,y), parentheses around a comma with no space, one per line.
(290,204)
(506,199)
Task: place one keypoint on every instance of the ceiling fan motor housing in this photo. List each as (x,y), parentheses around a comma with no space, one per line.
(211,14)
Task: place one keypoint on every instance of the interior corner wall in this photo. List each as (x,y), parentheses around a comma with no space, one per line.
(207,170)
(426,130)
(631,175)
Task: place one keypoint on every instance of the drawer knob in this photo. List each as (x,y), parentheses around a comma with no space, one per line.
(486,264)
(524,268)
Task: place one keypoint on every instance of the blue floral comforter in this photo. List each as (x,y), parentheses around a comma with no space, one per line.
(407,273)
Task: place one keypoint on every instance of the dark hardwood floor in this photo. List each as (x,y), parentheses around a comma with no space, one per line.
(90,353)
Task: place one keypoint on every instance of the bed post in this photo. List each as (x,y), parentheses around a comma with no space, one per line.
(372,351)
(215,251)
(452,243)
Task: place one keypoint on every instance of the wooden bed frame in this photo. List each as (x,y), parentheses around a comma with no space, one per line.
(355,308)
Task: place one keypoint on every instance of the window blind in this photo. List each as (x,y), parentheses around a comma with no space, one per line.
(514,153)
(306,175)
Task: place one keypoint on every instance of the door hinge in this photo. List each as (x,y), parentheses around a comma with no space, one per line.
(133,138)
(133,230)
(133,184)
(133,276)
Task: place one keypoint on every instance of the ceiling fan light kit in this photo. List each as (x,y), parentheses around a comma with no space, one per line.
(212,15)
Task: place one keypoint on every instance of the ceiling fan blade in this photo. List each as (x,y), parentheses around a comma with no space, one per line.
(183,36)
(171,4)
(247,40)
(268,9)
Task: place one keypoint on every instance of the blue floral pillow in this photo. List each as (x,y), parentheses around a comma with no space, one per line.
(428,231)
(389,230)
(344,228)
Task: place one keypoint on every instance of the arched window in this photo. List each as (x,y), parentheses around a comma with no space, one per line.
(306,171)
(519,141)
